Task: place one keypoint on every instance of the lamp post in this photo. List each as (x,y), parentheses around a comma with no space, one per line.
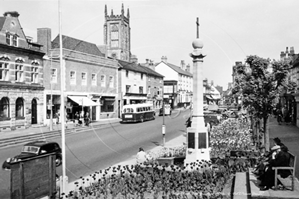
(51,98)
(163,112)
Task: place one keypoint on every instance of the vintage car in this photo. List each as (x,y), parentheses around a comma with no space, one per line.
(36,148)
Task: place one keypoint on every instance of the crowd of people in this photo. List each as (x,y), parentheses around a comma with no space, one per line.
(82,119)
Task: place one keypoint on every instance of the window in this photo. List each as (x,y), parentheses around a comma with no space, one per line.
(73,77)
(19,70)
(8,38)
(111,81)
(53,77)
(11,40)
(34,72)
(94,79)
(4,108)
(4,69)
(114,35)
(142,75)
(15,39)
(127,88)
(141,90)
(102,80)
(83,79)
(19,108)
(126,73)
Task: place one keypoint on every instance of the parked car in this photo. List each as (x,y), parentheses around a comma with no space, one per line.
(36,148)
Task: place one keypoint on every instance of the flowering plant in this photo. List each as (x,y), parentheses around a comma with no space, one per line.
(230,135)
(178,151)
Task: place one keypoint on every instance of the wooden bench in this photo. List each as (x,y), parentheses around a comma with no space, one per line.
(286,181)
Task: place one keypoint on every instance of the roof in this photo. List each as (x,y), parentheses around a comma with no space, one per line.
(151,72)
(138,68)
(178,69)
(37,143)
(77,45)
(2,20)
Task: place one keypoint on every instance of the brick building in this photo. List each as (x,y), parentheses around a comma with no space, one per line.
(91,80)
(21,76)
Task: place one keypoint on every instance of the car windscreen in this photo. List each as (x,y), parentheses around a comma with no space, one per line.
(30,149)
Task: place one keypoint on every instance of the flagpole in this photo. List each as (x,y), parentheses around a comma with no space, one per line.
(62,107)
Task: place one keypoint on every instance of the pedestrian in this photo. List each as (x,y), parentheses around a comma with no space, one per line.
(141,156)
(87,118)
(280,159)
(285,113)
(57,115)
(261,167)
(279,115)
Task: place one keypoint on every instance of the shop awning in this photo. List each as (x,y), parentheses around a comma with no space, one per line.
(208,97)
(83,101)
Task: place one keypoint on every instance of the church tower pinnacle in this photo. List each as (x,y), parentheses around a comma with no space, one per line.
(117,35)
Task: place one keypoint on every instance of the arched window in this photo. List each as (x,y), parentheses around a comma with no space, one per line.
(34,71)
(4,108)
(19,69)
(114,36)
(19,108)
(4,68)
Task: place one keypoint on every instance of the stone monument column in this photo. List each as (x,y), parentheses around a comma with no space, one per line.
(197,134)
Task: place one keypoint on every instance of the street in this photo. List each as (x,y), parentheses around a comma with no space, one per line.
(95,149)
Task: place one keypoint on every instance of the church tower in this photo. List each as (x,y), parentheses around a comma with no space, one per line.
(117,35)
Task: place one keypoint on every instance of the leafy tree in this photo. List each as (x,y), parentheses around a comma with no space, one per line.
(257,84)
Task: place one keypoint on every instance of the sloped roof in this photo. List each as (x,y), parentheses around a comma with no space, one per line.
(131,66)
(77,45)
(178,69)
(2,20)
(138,68)
(151,72)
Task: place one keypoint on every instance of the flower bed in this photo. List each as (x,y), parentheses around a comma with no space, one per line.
(154,181)
(151,180)
(230,135)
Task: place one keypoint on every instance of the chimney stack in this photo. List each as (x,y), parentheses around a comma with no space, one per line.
(11,14)
(182,65)
(292,52)
(188,68)
(44,38)
(164,59)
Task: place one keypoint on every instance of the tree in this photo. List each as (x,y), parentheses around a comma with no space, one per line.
(257,84)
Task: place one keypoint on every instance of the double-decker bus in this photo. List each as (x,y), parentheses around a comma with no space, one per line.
(138,113)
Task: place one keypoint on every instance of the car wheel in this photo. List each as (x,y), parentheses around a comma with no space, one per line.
(58,161)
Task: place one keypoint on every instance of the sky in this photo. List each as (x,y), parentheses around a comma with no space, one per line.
(231,30)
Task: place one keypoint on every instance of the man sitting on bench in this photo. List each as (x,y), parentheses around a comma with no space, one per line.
(281,159)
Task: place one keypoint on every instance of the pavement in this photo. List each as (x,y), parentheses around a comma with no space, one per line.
(39,128)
